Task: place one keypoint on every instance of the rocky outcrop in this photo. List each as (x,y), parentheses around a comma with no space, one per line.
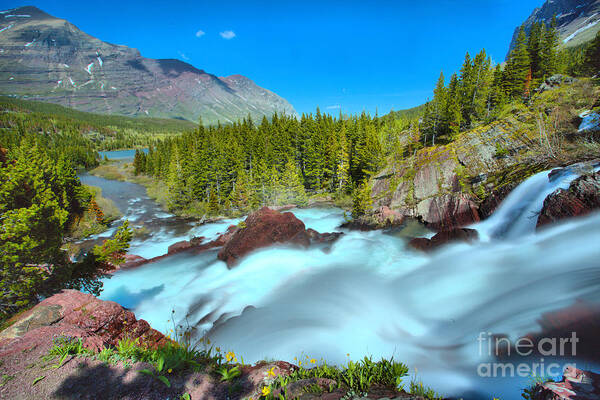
(448,211)
(71,313)
(576,385)
(49,59)
(555,81)
(266,227)
(443,186)
(444,237)
(382,218)
(581,198)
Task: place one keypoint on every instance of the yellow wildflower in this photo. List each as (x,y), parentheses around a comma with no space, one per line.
(170,370)
(266,390)
(312,361)
(229,356)
(218,349)
(271,372)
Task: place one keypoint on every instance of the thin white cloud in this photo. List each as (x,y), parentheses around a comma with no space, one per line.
(182,55)
(227,34)
(200,33)
(334,107)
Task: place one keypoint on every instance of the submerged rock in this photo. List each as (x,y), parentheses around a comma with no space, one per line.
(581,198)
(266,227)
(444,237)
(576,385)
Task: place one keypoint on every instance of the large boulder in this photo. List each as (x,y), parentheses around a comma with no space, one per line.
(581,198)
(263,228)
(444,237)
(576,385)
(74,314)
(266,227)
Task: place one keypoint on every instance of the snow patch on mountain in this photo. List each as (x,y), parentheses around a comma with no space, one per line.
(17,16)
(8,27)
(583,28)
(89,68)
(30,43)
(100,62)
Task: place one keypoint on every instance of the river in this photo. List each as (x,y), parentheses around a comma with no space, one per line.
(370,295)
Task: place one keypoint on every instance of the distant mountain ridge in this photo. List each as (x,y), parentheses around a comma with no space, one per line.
(49,59)
(578,21)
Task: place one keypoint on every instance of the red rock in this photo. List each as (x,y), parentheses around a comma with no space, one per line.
(75,314)
(132,261)
(448,211)
(266,227)
(226,237)
(576,385)
(494,199)
(263,228)
(444,237)
(581,198)
(179,246)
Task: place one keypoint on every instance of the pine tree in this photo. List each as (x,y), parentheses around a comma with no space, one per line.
(362,200)
(291,185)
(534,48)
(453,110)
(438,107)
(518,68)
(592,56)
(548,51)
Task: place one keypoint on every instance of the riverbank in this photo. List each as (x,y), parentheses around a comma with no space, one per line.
(97,218)
(158,191)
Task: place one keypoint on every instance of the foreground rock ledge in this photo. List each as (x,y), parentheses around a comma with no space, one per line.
(27,341)
(71,313)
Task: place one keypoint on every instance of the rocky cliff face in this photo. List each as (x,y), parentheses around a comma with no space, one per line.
(49,59)
(578,20)
(444,185)
(462,182)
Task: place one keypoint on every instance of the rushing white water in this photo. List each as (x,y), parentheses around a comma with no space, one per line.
(370,294)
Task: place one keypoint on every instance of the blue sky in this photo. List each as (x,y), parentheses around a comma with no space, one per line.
(367,55)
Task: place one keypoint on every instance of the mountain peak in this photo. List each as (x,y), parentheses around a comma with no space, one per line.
(578,21)
(49,59)
(25,12)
